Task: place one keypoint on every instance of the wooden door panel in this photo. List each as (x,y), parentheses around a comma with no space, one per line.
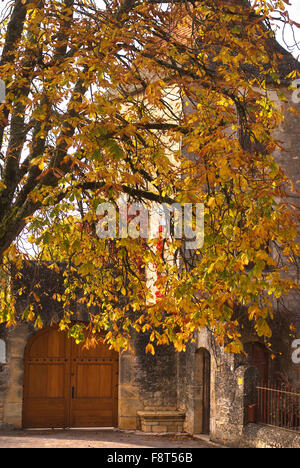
(49,343)
(95,386)
(45,402)
(41,413)
(47,380)
(93,381)
(94,394)
(89,413)
(83,416)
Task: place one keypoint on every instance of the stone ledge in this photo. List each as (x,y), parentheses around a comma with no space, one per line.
(161,421)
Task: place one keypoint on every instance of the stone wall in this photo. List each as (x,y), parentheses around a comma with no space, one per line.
(146,382)
(258,436)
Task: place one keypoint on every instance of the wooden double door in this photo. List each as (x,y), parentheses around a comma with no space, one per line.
(66,385)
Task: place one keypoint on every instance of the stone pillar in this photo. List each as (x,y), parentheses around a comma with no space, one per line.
(13,395)
(234,390)
(129,398)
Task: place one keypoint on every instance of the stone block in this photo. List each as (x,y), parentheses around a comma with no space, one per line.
(127,423)
(13,414)
(160,429)
(161,421)
(128,407)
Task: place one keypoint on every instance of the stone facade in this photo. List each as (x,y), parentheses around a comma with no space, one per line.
(289,159)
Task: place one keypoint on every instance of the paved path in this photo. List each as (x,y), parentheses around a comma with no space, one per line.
(98,439)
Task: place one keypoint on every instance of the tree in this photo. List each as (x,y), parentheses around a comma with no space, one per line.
(108,101)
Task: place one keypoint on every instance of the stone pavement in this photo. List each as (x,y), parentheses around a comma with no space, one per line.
(102,438)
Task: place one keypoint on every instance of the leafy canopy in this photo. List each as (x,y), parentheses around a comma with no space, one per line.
(163,101)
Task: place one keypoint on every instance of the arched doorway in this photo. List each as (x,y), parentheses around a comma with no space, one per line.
(66,385)
(202,392)
(258,357)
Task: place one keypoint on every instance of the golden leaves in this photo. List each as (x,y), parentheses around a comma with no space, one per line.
(150,349)
(105,106)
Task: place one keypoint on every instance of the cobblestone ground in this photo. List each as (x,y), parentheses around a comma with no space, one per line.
(98,439)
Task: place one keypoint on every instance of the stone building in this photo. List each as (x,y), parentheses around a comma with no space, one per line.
(203,390)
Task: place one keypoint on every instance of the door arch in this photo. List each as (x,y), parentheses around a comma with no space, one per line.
(202,392)
(258,357)
(66,385)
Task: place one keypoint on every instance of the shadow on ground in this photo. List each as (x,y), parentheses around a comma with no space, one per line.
(111,438)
